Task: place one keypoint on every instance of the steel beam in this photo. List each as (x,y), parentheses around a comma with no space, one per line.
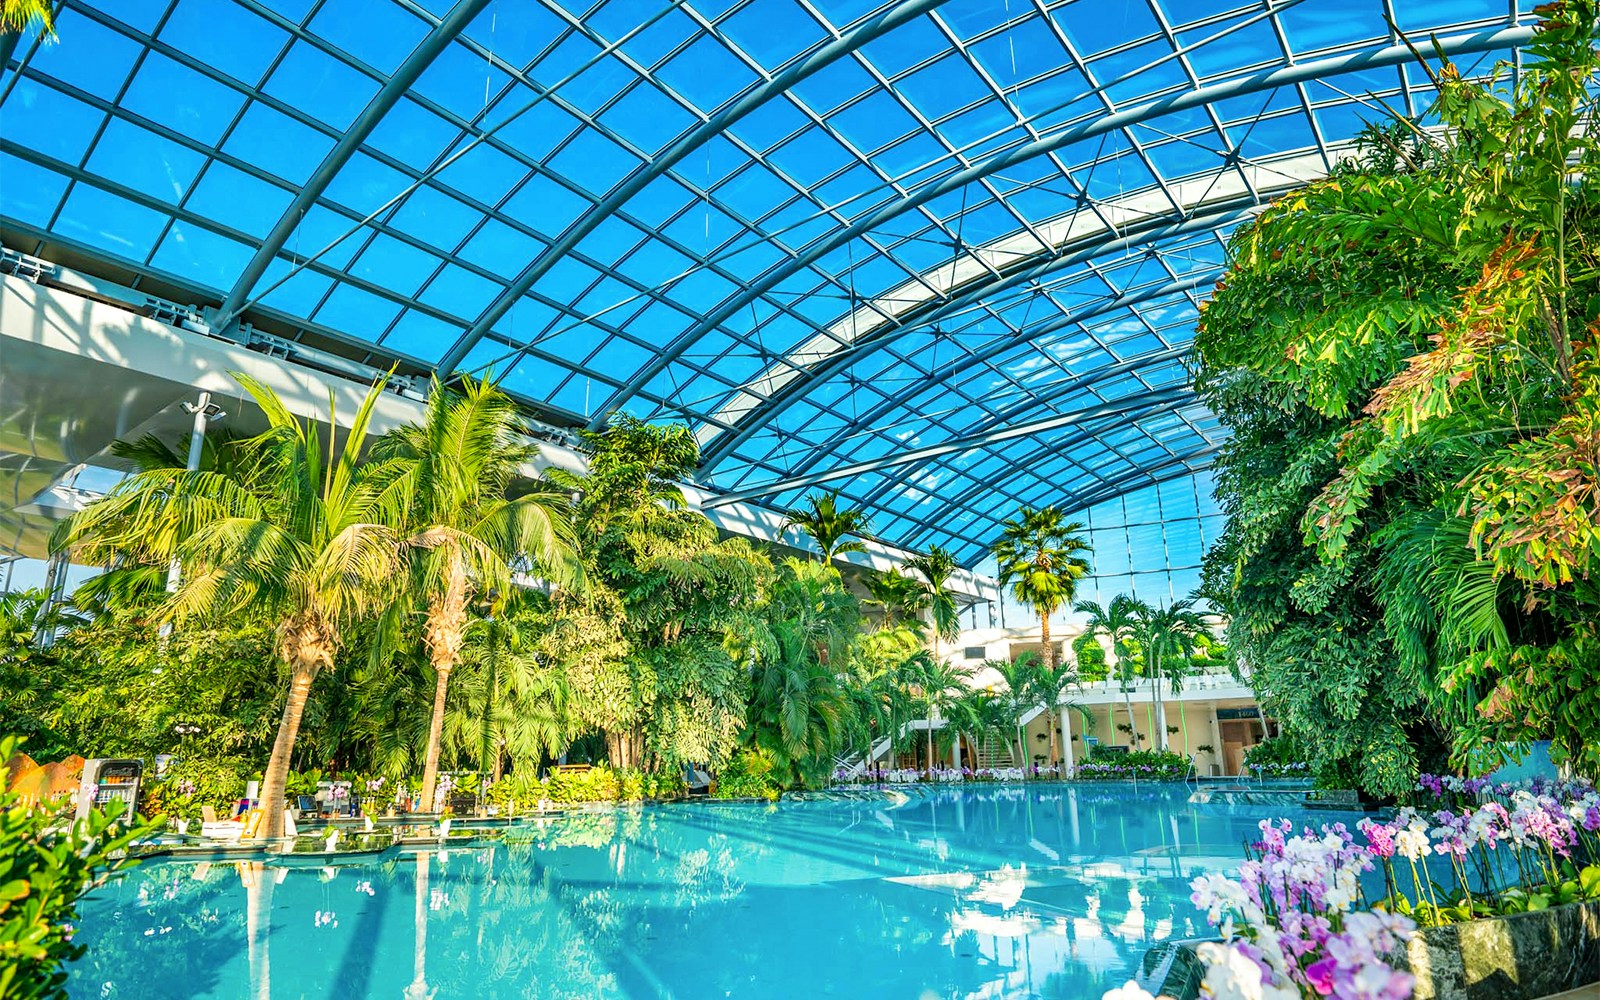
(1044,450)
(726,443)
(1366,58)
(674,154)
(1175,468)
(443,33)
(1002,344)
(1131,404)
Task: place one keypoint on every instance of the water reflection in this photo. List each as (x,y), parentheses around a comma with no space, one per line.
(1046,891)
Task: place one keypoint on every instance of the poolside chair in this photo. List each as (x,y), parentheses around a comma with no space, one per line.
(697,781)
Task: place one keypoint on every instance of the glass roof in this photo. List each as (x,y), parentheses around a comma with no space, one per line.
(827,233)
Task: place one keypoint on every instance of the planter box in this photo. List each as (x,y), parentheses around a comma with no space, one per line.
(1527,956)
(1520,957)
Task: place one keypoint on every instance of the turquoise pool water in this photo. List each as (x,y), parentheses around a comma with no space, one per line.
(996,892)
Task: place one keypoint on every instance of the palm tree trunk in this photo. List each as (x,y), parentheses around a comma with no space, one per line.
(489,694)
(430,766)
(1049,649)
(302,670)
(443,635)
(1157,722)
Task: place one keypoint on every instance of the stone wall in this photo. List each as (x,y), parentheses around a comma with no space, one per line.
(1520,957)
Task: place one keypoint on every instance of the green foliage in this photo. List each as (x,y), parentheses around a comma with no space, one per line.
(1278,757)
(797,653)
(1090,658)
(898,598)
(936,568)
(1144,765)
(1042,557)
(21,15)
(751,774)
(822,520)
(1404,357)
(464,527)
(676,592)
(47,863)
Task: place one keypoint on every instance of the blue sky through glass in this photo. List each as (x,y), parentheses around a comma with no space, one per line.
(823,233)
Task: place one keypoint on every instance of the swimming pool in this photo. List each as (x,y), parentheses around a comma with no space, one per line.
(1048,890)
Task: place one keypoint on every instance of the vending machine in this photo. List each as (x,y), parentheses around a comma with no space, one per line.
(110,785)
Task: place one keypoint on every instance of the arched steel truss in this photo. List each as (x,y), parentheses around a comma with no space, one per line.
(1005,276)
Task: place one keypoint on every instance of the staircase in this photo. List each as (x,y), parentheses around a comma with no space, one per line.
(995,751)
(854,765)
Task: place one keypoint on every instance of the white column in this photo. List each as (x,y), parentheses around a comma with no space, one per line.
(1066,740)
(1216,738)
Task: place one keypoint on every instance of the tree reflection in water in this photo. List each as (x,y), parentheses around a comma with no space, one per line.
(1048,891)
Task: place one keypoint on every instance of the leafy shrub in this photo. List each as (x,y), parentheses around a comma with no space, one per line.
(749,775)
(1091,659)
(598,784)
(1277,757)
(1149,765)
(46,865)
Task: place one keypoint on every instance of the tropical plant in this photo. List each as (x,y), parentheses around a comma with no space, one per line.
(1021,676)
(300,537)
(936,567)
(751,774)
(17,16)
(977,714)
(826,524)
(796,653)
(1116,622)
(1167,640)
(514,698)
(47,864)
(1051,688)
(1042,557)
(938,684)
(1089,658)
(672,592)
(900,599)
(1405,358)
(469,522)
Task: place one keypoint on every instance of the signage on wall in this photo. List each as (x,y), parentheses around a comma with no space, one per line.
(1225,714)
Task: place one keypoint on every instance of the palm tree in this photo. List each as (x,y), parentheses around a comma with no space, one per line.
(975,714)
(17,16)
(1042,557)
(1116,622)
(1167,638)
(1021,677)
(29,619)
(466,528)
(302,535)
(936,567)
(1051,686)
(799,710)
(940,683)
(880,702)
(513,702)
(827,525)
(899,598)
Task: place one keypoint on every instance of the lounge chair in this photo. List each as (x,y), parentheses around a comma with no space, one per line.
(697,781)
